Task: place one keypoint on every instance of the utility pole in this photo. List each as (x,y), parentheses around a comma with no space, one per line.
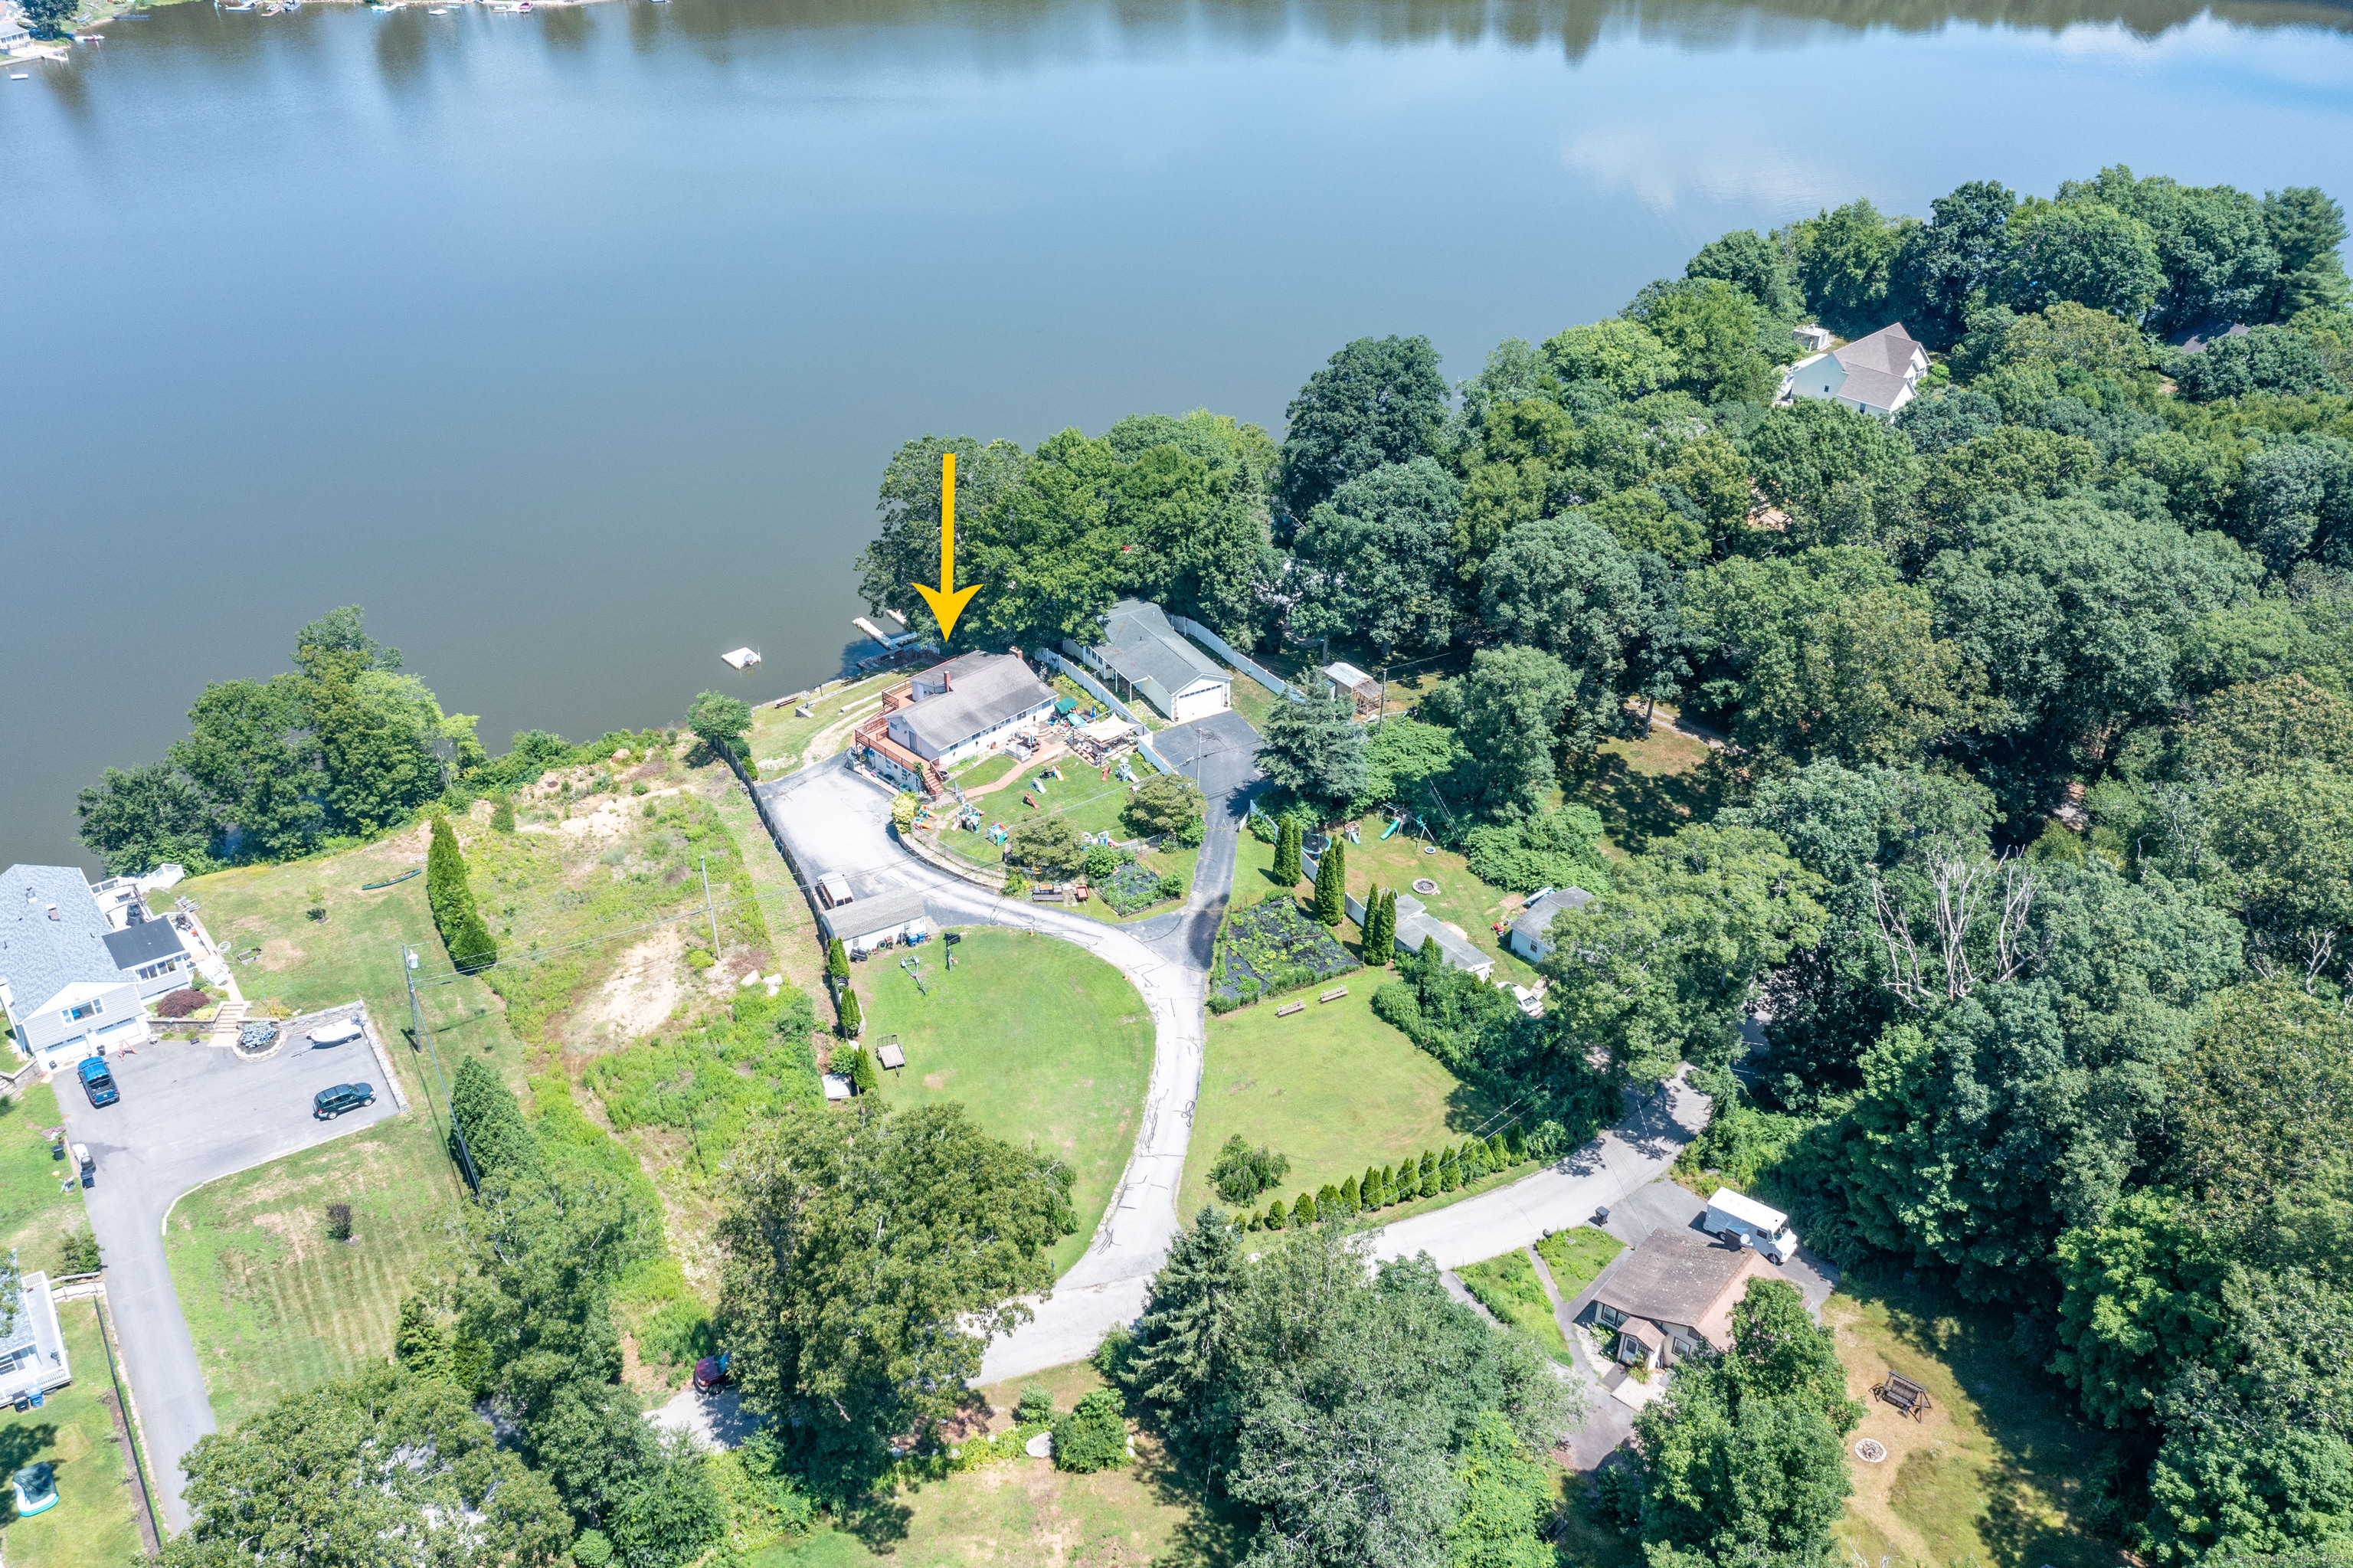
(708,910)
(418,1030)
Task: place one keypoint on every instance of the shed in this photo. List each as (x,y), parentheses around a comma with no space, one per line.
(877,920)
(1415,923)
(1348,680)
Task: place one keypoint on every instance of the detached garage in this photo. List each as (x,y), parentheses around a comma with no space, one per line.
(865,923)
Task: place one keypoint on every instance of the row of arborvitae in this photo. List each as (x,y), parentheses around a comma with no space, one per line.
(1380,927)
(837,979)
(1384,1185)
(451,897)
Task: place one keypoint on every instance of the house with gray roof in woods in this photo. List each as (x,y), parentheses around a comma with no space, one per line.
(1157,663)
(1875,374)
(1672,1295)
(1528,936)
(64,991)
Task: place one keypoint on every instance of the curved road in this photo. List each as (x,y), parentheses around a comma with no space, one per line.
(835,821)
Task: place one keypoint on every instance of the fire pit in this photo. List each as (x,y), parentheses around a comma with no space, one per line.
(1424,887)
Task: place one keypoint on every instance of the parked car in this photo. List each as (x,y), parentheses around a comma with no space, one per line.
(343,1097)
(1742,1221)
(98,1083)
(711,1372)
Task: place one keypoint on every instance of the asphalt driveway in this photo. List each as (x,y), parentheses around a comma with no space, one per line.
(191,1114)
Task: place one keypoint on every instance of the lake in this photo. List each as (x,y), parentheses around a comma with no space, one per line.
(572,345)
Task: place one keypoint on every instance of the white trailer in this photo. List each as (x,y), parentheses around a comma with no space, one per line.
(1742,1221)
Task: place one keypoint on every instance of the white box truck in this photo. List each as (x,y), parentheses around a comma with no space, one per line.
(1744,1221)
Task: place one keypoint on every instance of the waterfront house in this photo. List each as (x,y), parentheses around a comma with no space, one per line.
(64,993)
(14,38)
(1142,649)
(1875,374)
(971,703)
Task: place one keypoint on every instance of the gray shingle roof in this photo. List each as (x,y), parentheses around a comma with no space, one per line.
(1537,918)
(984,690)
(1888,351)
(1414,923)
(40,957)
(1674,1276)
(143,943)
(1873,389)
(1141,646)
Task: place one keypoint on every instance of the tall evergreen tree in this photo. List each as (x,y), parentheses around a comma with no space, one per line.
(1184,1356)
(492,1122)
(451,899)
(1331,896)
(1304,1211)
(1286,852)
(1275,1218)
(1375,1190)
(1428,1172)
(852,1021)
(1352,1197)
(836,959)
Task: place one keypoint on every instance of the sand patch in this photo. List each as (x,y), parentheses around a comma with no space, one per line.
(642,992)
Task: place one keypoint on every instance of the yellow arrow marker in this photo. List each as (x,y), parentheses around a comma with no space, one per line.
(946,600)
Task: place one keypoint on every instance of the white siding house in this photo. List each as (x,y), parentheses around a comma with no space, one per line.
(1140,648)
(61,988)
(1875,374)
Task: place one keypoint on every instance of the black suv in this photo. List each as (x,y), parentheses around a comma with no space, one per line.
(340,1099)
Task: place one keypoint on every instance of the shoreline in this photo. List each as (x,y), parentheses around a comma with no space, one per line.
(100,16)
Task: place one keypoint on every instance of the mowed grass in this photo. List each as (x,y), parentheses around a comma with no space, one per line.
(93,1525)
(40,1199)
(1043,1043)
(1334,1088)
(1508,1287)
(1026,1511)
(1995,1472)
(1462,899)
(1082,797)
(1649,787)
(1574,1257)
(274,1304)
(780,738)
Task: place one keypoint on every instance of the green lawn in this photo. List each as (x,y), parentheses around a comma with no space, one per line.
(985,769)
(40,1204)
(273,1303)
(1334,1088)
(1039,1039)
(1462,899)
(1082,797)
(1574,1257)
(1508,1287)
(1646,789)
(1996,1472)
(94,1524)
(780,737)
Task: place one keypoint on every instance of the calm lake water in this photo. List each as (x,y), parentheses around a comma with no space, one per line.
(572,345)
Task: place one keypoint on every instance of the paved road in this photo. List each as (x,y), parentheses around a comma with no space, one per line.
(190,1114)
(834,820)
(1622,1161)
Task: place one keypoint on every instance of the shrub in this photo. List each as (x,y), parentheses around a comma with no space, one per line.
(487,1114)
(1170,885)
(865,1074)
(1169,804)
(1102,860)
(699,961)
(1286,855)
(451,899)
(503,817)
(1094,1436)
(836,959)
(80,1254)
(1275,1218)
(852,1021)
(1037,1406)
(179,1004)
(679,1335)
(591,1549)
(1047,843)
(1332,884)
(338,1222)
(1303,1210)
(1240,1172)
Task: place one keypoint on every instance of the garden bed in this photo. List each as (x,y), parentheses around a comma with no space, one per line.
(1268,948)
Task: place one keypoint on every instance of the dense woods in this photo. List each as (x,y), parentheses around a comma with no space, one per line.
(2029,835)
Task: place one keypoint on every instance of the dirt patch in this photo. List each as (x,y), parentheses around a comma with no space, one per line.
(641,991)
(304,1232)
(277,953)
(935,1080)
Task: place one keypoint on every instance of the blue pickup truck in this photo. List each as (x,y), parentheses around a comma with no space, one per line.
(98,1083)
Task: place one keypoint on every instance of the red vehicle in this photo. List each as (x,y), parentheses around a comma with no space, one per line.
(711,1372)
